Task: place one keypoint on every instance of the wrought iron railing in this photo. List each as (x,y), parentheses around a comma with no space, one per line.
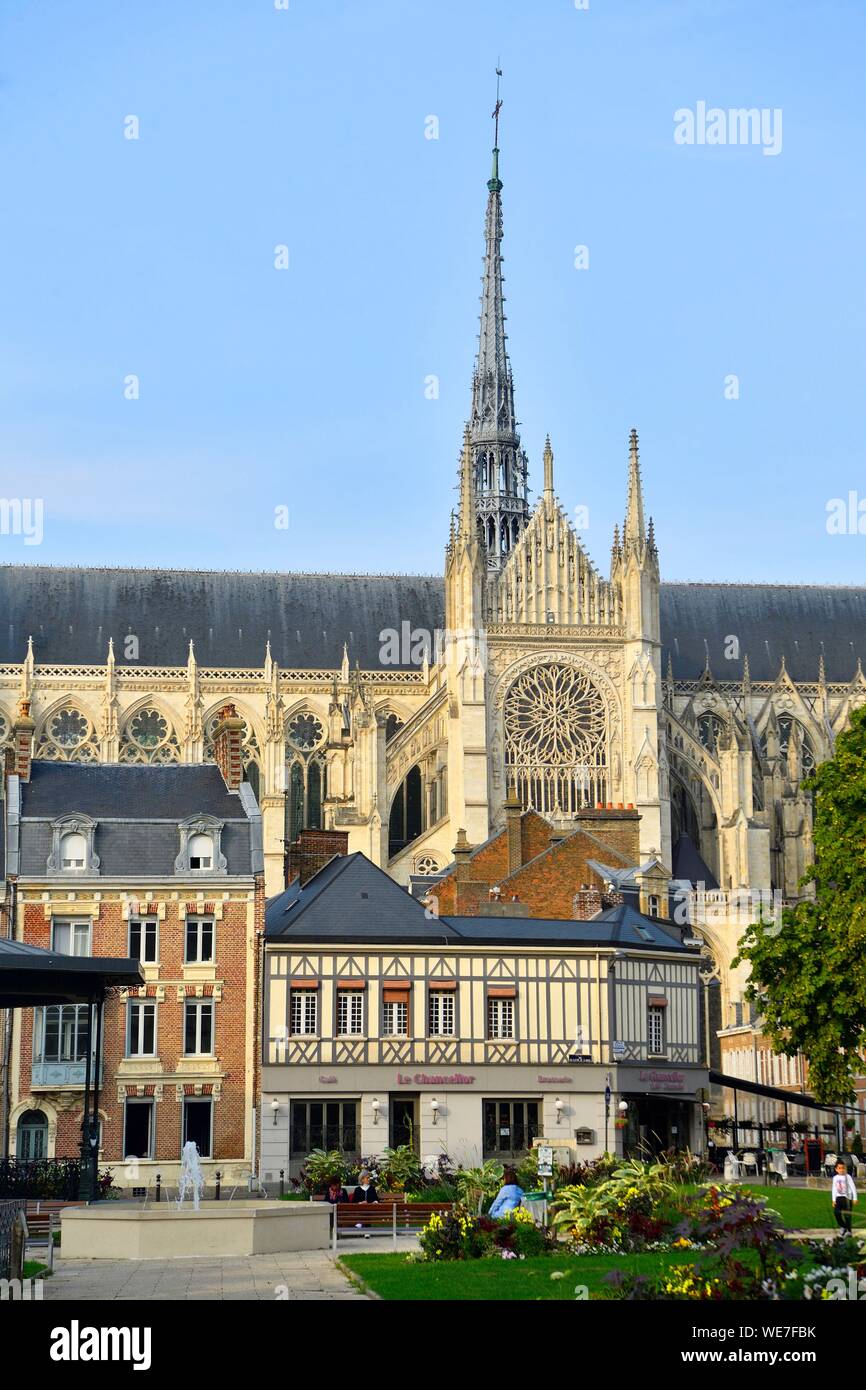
(9,1212)
(58,1178)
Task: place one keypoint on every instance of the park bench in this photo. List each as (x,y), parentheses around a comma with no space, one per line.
(390,1215)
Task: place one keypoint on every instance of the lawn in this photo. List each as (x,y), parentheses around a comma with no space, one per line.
(392,1277)
(803,1208)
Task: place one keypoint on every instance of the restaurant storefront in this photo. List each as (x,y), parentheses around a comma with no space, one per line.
(664,1109)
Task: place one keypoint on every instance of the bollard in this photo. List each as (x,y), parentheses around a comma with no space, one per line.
(218,1182)
(159,1187)
(282,1181)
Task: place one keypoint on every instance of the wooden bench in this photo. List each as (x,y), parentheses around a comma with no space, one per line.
(390,1214)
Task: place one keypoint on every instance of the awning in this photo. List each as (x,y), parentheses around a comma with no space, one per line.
(30,976)
(756,1088)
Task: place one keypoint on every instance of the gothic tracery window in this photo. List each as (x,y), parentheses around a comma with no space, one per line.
(148,737)
(786,723)
(68,736)
(306,774)
(555,739)
(710,730)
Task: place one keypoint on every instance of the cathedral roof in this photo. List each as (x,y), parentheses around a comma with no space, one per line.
(800,622)
(72,612)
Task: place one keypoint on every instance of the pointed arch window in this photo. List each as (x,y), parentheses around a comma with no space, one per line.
(555,727)
(148,737)
(786,723)
(68,736)
(407,812)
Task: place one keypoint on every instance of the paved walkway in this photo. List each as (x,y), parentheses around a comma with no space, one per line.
(304,1274)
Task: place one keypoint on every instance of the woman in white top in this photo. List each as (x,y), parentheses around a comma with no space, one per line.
(843,1194)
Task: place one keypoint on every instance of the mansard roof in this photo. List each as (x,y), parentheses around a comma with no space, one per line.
(128,791)
(351,899)
(230,616)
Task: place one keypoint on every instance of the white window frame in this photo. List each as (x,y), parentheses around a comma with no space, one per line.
(199,1007)
(143,923)
(151,1128)
(395,1012)
(199,922)
(195,864)
(135,1015)
(655,1030)
(350,1013)
(304,1013)
(500,1019)
(80,935)
(441,1013)
(79,864)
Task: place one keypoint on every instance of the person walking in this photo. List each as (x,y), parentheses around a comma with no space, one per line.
(843,1194)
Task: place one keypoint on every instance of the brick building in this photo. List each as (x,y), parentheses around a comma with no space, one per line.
(164,865)
(534,867)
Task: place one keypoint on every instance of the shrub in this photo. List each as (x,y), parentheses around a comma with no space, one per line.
(319,1167)
(454,1235)
(401,1168)
(474,1184)
(602,1213)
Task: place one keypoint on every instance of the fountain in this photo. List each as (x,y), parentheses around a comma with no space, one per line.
(191,1176)
(113,1230)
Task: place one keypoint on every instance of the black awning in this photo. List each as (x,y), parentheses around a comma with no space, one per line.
(30,976)
(755,1088)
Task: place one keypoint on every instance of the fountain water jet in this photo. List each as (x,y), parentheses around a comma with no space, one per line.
(191,1176)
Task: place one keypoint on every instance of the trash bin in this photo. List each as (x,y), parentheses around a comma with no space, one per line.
(536,1205)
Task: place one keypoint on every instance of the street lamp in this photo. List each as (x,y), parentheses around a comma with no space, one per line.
(558,1106)
(374,1106)
(275,1108)
(434,1106)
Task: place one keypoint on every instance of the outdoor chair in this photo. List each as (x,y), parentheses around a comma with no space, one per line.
(830,1161)
(749,1160)
(732,1167)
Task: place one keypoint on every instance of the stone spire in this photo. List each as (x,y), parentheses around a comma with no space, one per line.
(548,470)
(499,464)
(633,530)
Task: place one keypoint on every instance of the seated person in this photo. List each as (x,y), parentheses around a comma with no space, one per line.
(509,1196)
(365,1191)
(336,1192)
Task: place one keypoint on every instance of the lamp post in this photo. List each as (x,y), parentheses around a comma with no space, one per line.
(606,1112)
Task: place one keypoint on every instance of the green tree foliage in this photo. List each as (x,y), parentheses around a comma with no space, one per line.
(809,978)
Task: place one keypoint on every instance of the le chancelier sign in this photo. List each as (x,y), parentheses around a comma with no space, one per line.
(454,1078)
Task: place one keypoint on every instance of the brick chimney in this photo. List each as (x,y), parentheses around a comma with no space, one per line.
(227,746)
(513,828)
(312,850)
(586,903)
(20,754)
(461,851)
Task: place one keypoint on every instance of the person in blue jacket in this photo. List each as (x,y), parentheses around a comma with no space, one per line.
(509,1196)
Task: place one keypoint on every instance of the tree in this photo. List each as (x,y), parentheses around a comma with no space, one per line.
(808,978)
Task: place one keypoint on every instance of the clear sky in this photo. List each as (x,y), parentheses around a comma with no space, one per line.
(304,388)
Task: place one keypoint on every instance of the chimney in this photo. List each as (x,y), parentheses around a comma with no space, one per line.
(22,742)
(227,746)
(461,851)
(586,903)
(513,816)
(312,850)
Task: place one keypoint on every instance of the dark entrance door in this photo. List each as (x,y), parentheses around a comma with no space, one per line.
(656,1123)
(403,1127)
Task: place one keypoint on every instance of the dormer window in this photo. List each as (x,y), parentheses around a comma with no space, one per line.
(653,906)
(73,850)
(72,846)
(201,851)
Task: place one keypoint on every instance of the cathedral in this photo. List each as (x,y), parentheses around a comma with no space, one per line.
(404,709)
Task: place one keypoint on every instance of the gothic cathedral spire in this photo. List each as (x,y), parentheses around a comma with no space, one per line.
(499,465)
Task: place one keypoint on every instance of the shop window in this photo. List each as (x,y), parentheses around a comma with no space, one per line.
(509,1127)
(331,1124)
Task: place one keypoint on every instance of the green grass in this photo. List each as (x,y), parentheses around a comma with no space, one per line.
(34,1269)
(392,1277)
(803,1208)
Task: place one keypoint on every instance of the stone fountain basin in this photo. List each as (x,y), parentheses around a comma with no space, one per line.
(117,1231)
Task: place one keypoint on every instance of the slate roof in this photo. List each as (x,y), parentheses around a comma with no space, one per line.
(350,900)
(687,863)
(72,612)
(135,793)
(137,810)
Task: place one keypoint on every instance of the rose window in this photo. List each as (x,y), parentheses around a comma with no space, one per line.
(555,726)
(148,729)
(69,728)
(305,732)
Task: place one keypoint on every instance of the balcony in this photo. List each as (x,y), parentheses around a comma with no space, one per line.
(50,1076)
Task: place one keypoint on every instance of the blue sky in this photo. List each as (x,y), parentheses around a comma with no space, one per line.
(305,388)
